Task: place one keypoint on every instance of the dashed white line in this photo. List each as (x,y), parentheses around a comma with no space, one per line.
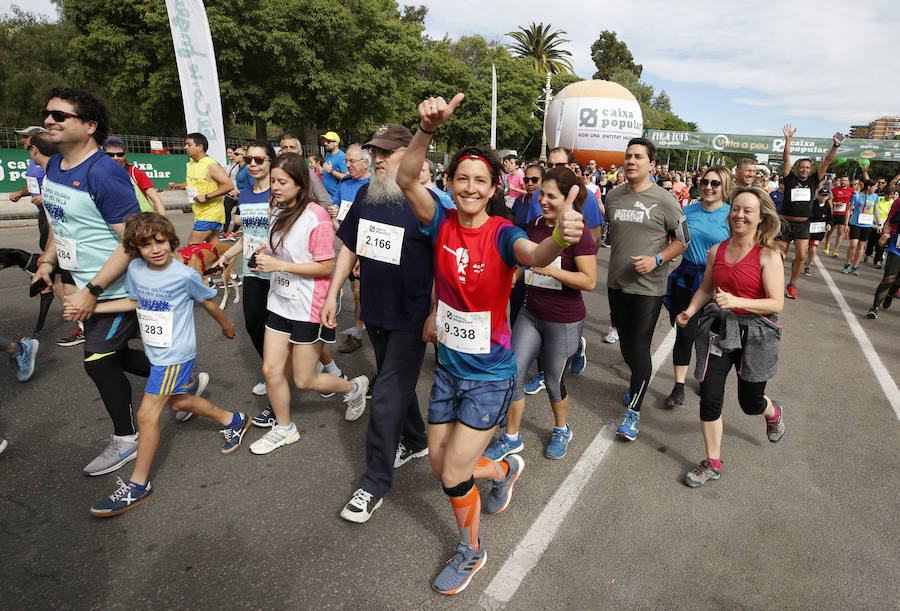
(881,373)
(535,542)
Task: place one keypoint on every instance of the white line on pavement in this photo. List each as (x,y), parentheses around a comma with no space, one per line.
(881,373)
(535,542)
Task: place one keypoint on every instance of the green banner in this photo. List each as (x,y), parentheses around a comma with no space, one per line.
(161,169)
(882,150)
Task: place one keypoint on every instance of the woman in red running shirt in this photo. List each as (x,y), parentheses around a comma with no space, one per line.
(741,296)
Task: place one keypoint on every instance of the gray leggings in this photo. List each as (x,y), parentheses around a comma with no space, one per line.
(556,342)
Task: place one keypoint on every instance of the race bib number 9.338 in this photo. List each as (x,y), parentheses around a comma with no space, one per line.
(156,328)
(468,332)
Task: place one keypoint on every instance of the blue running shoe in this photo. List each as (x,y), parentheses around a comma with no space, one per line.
(559,443)
(25,361)
(628,428)
(460,569)
(126,497)
(501,491)
(234,434)
(503,447)
(536,384)
(579,361)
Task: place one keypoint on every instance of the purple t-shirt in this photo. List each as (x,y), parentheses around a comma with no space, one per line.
(565,304)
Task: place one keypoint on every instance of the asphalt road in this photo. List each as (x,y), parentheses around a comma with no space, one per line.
(810,522)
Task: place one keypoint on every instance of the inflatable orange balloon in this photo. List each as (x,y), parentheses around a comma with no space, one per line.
(595,119)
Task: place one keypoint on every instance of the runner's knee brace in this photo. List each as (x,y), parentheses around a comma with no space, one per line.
(460,489)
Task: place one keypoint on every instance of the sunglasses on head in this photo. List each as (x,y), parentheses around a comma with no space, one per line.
(122,154)
(715,184)
(532,179)
(58,115)
(258,160)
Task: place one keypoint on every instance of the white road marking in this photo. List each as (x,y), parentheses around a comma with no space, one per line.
(535,542)
(881,373)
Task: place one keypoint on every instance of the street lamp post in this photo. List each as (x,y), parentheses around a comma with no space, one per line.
(547,92)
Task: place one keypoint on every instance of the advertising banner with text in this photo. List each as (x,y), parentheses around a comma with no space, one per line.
(880,150)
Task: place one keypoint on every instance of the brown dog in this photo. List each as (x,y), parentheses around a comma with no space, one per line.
(202,257)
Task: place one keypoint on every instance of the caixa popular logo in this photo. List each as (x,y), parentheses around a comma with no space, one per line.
(588,117)
(605,118)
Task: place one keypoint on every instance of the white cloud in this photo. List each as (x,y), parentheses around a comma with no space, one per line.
(823,59)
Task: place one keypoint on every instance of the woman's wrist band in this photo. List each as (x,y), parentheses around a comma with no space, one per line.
(558,238)
(427,131)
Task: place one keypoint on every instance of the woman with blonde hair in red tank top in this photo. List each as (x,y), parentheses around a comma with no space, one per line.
(740,299)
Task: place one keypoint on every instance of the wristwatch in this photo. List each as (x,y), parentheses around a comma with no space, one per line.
(93,289)
(659,261)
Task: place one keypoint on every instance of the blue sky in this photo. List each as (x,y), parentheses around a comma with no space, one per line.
(744,69)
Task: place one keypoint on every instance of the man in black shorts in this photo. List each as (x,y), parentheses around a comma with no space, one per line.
(799,193)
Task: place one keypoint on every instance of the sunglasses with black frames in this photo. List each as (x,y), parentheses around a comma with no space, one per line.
(121,154)
(58,115)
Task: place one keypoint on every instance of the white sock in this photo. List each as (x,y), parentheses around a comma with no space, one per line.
(333,369)
(286,428)
(354,391)
(131,438)
(513,436)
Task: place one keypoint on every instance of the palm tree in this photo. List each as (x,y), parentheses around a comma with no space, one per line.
(542,46)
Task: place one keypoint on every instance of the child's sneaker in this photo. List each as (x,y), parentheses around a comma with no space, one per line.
(265,419)
(275,438)
(460,569)
(234,434)
(127,496)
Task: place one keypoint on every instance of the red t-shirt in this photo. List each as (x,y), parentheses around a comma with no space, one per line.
(842,196)
(139,178)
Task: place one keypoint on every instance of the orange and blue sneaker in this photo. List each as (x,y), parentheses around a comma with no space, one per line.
(460,569)
(628,427)
(791,291)
(501,490)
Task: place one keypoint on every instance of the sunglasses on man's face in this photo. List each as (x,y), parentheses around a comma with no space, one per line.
(249,160)
(58,115)
(532,179)
(557,165)
(122,154)
(715,184)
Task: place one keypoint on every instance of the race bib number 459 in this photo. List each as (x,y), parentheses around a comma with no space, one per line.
(468,332)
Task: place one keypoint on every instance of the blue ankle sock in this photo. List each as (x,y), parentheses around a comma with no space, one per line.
(140,487)
(235,420)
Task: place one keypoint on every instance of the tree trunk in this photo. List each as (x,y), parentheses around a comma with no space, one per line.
(261,129)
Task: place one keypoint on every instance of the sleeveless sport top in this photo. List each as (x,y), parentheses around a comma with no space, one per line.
(741,279)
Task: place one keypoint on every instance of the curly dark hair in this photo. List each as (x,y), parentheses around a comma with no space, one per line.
(87,107)
(485,153)
(143,226)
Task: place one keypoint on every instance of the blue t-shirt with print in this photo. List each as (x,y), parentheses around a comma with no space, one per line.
(254,209)
(408,302)
(347,189)
(338,165)
(590,209)
(81,204)
(37,172)
(863,204)
(173,289)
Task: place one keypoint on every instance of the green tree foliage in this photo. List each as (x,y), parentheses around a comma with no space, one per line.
(661,101)
(32,60)
(611,54)
(543,47)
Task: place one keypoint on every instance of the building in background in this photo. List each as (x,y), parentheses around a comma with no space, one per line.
(883,128)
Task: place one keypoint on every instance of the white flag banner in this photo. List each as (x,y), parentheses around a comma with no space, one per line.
(493,107)
(197,72)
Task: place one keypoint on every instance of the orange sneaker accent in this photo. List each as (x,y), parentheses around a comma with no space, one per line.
(490,469)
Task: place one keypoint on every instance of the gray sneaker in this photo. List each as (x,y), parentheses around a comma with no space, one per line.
(197,389)
(775,429)
(356,402)
(501,491)
(116,454)
(701,474)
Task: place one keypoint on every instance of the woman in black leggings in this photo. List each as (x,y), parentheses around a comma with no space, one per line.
(890,282)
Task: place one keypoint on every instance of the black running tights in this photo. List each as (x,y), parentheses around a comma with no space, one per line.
(635,317)
(108,374)
(890,282)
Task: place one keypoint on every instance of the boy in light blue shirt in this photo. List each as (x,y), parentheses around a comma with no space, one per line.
(163,292)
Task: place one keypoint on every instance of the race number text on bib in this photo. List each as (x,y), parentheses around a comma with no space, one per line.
(799,194)
(344,209)
(156,328)
(191,193)
(33,186)
(468,332)
(286,285)
(865,220)
(379,241)
(545,282)
(66,253)
(817,227)
(252,244)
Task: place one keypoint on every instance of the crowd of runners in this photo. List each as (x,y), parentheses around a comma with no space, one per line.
(486,258)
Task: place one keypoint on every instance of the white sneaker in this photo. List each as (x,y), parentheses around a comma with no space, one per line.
(404,455)
(612,337)
(275,438)
(260,389)
(202,383)
(356,402)
(360,507)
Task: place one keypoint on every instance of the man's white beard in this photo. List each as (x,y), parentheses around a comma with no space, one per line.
(384,190)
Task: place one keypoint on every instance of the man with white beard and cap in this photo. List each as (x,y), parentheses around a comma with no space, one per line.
(382,233)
